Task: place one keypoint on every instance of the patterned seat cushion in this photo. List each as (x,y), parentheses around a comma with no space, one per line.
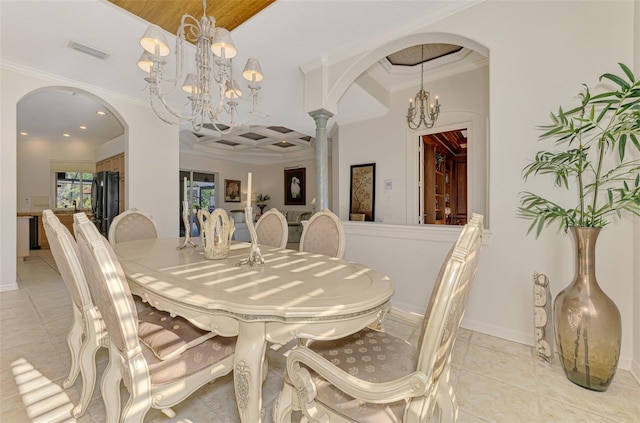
(270,231)
(370,355)
(190,362)
(168,336)
(133,227)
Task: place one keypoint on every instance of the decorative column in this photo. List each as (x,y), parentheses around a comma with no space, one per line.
(322,158)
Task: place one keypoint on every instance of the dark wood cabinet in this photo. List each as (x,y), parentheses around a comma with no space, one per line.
(459,192)
(437,185)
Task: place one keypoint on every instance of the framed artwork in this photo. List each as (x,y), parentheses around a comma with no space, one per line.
(294,187)
(231,191)
(363,192)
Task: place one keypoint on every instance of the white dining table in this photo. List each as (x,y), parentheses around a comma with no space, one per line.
(293,295)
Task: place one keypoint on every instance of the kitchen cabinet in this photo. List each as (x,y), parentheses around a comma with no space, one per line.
(66,219)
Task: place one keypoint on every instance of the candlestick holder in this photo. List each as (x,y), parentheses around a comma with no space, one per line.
(187,227)
(255,256)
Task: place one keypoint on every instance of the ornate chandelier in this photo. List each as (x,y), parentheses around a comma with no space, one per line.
(214,72)
(428,119)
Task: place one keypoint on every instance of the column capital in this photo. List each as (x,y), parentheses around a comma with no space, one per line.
(321,116)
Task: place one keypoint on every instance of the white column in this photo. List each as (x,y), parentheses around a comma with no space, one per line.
(322,158)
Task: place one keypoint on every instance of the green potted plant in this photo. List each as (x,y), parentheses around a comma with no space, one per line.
(593,142)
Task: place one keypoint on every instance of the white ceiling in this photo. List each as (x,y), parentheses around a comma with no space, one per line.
(284,36)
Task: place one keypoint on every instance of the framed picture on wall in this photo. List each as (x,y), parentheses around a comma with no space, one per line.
(231,191)
(363,191)
(294,186)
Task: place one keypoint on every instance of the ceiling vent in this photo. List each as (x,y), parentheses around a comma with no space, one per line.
(88,50)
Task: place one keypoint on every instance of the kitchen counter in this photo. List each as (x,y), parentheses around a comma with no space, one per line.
(65,216)
(60,212)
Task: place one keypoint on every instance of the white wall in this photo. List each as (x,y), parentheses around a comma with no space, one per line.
(382,141)
(540,53)
(151,164)
(34,158)
(267,179)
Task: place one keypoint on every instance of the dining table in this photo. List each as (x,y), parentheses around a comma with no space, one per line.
(293,295)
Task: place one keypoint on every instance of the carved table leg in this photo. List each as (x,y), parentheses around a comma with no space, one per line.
(248,369)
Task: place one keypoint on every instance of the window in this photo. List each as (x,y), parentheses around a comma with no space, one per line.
(73,190)
(201,194)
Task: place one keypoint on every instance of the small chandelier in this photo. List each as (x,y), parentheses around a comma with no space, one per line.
(423,98)
(214,72)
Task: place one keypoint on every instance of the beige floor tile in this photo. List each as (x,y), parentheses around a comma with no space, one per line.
(553,384)
(398,328)
(502,345)
(556,411)
(494,400)
(502,366)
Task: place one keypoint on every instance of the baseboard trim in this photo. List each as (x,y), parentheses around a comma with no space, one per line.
(9,287)
(625,363)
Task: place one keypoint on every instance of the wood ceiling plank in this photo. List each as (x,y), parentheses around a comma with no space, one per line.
(229,14)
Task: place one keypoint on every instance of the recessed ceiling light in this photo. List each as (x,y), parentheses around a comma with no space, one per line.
(66,135)
(24,133)
(82,127)
(101,113)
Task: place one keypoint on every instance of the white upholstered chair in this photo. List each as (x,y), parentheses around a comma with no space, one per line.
(87,333)
(373,376)
(323,234)
(131,225)
(272,229)
(158,367)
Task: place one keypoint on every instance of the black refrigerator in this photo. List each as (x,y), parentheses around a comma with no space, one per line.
(105,199)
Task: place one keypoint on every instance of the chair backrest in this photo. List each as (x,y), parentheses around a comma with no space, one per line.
(272,229)
(131,225)
(323,234)
(449,299)
(108,286)
(65,253)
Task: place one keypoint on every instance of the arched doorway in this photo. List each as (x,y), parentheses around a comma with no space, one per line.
(61,133)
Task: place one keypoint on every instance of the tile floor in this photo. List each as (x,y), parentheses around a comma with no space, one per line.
(495,380)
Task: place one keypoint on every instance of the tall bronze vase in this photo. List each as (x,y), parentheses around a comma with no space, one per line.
(587,322)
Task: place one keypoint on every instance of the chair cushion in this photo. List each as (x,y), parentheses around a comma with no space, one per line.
(167,336)
(322,237)
(133,227)
(370,355)
(269,231)
(191,361)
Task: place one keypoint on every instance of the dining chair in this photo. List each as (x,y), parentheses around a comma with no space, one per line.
(373,376)
(131,225)
(272,229)
(87,333)
(157,369)
(323,234)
